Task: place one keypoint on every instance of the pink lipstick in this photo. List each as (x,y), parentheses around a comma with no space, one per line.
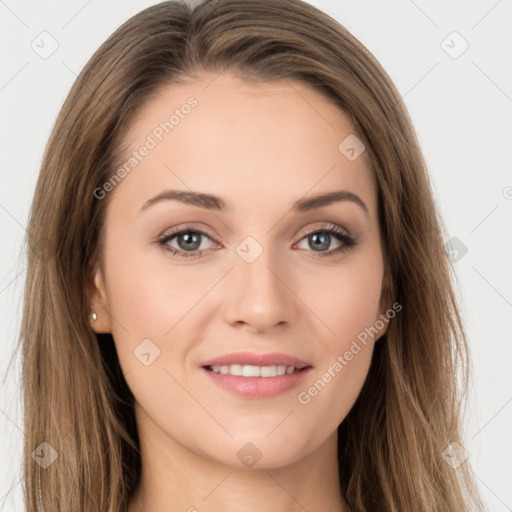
(256,375)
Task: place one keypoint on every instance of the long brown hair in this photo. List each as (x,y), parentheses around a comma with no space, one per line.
(391,444)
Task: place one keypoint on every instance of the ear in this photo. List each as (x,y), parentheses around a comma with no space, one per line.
(384,305)
(99,303)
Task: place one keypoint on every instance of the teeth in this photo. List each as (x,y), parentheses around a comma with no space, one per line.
(253,371)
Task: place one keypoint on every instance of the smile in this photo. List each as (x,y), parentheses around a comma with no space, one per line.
(253,371)
(256,382)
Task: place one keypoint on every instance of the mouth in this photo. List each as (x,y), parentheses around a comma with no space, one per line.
(255,382)
(252,371)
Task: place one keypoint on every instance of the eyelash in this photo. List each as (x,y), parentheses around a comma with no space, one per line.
(347,241)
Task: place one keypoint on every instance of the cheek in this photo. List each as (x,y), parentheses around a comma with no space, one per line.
(152,307)
(147,299)
(345,300)
(346,303)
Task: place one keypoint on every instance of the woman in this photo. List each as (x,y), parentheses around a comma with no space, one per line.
(237,295)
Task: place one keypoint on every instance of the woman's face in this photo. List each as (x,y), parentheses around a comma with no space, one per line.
(253,271)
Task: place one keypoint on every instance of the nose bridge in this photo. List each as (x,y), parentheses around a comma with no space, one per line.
(258,294)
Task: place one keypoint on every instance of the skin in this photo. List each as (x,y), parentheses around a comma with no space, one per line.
(259,147)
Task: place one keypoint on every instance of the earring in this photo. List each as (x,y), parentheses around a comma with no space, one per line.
(94,316)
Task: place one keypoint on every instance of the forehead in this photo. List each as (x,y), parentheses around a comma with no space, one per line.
(250,142)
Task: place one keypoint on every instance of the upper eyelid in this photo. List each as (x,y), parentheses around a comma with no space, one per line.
(185,229)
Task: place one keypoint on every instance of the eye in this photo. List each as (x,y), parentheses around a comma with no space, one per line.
(320,239)
(189,242)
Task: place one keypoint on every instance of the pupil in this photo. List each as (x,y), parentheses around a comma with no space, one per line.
(317,243)
(190,240)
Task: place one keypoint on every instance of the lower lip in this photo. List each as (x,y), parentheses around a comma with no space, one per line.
(257,387)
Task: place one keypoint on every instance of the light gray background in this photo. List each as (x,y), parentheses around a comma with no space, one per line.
(461,108)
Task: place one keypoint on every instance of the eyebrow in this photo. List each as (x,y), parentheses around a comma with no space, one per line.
(212,202)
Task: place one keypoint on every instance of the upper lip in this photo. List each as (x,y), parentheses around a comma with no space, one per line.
(248,358)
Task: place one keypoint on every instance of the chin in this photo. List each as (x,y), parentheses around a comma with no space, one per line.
(258,452)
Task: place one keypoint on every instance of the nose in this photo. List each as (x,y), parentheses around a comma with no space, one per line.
(259,295)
